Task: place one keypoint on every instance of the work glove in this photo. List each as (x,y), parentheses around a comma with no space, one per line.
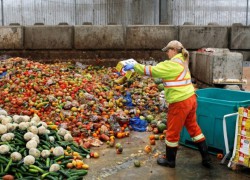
(128,66)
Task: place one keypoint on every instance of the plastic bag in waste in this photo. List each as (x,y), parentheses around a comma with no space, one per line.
(162,101)
(138,124)
(3,74)
(128,100)
(80,65)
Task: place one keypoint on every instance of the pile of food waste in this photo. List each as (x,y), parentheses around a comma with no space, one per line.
(78,106)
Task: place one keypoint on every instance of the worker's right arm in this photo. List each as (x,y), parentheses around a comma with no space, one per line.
(165,70)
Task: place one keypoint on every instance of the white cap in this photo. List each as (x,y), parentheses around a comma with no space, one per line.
(173,45)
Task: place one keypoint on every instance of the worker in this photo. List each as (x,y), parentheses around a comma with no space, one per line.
(180,94)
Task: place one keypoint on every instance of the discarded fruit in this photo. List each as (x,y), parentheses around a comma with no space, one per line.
(162,137)
(137,163)
(148,149)
(85,166)
(117,145)
(119,150)
(161,127)
(152,142)
(151,137)
(8,177)
(156,137)
(96,155)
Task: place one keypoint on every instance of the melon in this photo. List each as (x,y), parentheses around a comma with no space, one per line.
(157,80)
(160,87)
(149,118)
(161,127)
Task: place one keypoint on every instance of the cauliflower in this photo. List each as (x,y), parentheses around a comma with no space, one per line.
(31,144)
(33,123)
(23,125)
(10,127)
(42,130)
(2,117)
(36,118)
(43,124)
(3,129)
(58,151)
(36,138)
(3,112)
(7,137)
(45,153)
(4,149)
(68,137)
(34,152)
(28,160)
(15,125)
(62,132)
(54,168)
(33,129)
(26,118)
(6,119)
(16,156)
(51,139)
(28,136)
(17,119)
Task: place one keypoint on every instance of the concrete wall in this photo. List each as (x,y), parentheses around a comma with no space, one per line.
(240,37)
(48,37)
(123,38)
(99,37)
(195,37)
(11,37)
(149,37)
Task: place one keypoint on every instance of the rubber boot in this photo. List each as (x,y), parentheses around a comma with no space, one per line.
(168,161)
(206,160)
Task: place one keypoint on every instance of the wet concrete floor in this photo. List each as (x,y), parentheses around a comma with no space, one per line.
(114,166)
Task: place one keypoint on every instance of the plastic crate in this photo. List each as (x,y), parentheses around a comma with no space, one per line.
(213,104)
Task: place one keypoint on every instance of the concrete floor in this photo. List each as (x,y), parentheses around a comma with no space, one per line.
(114,166)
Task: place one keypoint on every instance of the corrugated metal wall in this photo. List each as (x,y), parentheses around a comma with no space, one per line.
(202,12)
(125,12)
(77,12)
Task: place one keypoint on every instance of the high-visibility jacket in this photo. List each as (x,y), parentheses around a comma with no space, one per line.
(175,75)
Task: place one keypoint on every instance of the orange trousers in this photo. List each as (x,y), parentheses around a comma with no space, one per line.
(181,114)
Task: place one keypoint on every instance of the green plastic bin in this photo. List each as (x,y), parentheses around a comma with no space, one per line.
(213,104)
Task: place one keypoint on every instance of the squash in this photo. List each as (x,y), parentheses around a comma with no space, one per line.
(161,127)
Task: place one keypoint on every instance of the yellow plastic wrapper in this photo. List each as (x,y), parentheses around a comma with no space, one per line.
(120,66)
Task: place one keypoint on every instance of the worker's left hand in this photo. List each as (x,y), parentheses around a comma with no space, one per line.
(128,67)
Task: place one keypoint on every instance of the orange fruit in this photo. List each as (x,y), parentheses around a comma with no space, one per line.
(119,135)
(152,142)
(96,155)
(151,137)
(148,149)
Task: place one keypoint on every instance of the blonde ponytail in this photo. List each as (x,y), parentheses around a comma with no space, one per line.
(185,54)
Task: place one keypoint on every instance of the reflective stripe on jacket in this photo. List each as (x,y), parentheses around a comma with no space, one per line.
(176,78)
(180,80)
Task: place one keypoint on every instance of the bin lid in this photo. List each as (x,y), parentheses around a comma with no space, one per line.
(224,95)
